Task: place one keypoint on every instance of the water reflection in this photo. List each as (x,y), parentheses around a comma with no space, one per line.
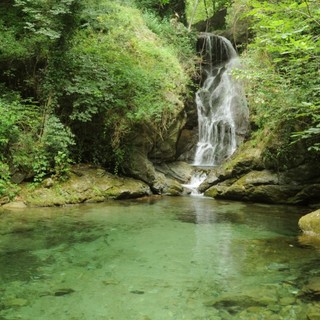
(212,251)
(169,258)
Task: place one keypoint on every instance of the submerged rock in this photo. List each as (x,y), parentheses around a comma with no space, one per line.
(313,285)
(63,292)
(137,291)
(252,302)
(15,302)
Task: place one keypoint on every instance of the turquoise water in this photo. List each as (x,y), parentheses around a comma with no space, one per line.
(159,258)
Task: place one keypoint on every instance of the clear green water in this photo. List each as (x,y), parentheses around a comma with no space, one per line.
(167,258)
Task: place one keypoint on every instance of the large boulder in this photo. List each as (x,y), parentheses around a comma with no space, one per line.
(140,167)
(151,145)
(310,223)
(260,186)
(178,170)
(245,178)
(263,186)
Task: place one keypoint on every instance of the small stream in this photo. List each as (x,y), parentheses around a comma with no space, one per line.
(156,259)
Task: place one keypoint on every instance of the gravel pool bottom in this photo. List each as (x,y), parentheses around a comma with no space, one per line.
(158,258)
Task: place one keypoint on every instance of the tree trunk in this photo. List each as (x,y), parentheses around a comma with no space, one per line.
(193,14)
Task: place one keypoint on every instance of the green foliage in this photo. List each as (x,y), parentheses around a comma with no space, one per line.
(152,4)
(47,18)
(56,138)
(281,70)
(31,32)
(98,67)
(10,47)
(19,119)
(174,34)
(29,144)
(165,8)
(58,168)
(201,10)
(119,155)
(61,166)
(51,155)
(312,133)
(40,167)
(268,93)
(287,30)
(8,128)
(117,73)
(7,188)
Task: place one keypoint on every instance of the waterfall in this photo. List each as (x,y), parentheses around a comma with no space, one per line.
(197,178)
(222,108)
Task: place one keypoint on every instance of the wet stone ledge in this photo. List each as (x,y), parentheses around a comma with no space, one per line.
(87,184)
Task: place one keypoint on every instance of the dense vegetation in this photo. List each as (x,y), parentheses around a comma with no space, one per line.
(281,71)
(77,77)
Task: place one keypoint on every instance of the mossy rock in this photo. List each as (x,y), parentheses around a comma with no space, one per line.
(259,186)
(310,223)
(166,186)
(274,194)
(258,178)
(14,205)
(247,158)
(86,184)
(217,191)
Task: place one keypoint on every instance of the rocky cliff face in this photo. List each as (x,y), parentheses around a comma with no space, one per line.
(151,149)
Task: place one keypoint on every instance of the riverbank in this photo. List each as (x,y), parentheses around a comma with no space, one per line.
(86,184)
(92,184)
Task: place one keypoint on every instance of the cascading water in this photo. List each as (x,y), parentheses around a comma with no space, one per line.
(222,108)
(197,178)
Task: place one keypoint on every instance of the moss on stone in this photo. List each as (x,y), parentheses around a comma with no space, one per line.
(86,184)
(310,223)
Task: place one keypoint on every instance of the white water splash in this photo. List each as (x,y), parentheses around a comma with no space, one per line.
(197,178)
(221,104)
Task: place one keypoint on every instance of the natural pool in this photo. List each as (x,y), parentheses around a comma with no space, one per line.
(159,258)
